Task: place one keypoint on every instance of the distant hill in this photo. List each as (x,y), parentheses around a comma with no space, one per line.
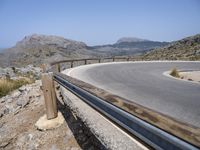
(130,39)
(185,49)
(37,49)
(129,46)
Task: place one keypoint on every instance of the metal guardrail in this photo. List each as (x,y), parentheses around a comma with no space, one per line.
(156,129)
(86,59)
(148,133)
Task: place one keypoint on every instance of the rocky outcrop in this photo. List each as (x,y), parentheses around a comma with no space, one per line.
(20,110)
(19,99)
(7,72)
(14,72)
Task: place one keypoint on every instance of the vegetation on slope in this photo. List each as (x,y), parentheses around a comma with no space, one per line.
(185,49)
(7,85)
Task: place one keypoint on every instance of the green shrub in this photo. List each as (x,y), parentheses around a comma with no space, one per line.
(175,73)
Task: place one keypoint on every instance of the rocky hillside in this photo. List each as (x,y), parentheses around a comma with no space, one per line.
(185,49)
(129,46)
(36,49)
(19,112)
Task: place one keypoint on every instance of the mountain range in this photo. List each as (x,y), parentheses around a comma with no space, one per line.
(37,49)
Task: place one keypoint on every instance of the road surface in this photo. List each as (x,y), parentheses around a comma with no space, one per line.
(145,84)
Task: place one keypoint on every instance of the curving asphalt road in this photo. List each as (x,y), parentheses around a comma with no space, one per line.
(145,84)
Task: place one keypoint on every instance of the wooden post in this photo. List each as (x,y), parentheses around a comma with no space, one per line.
(58,67)
(99,60)
(85,61)
(127,58)
(49,95)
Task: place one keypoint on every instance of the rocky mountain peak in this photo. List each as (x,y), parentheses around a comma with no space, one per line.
(37,49)
(39,39)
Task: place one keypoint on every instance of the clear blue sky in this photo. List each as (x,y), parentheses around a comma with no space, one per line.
(99,21)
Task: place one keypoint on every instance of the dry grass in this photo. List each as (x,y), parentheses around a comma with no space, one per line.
(8,85)
(175,73)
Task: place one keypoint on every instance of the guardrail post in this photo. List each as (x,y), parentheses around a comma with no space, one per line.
(49,95)
(72,64)
(113,59)
(85,61)
(58,67)
(100,60)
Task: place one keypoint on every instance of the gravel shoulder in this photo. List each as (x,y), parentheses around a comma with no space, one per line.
(108,134)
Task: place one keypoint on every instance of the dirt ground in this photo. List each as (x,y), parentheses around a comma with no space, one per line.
(20,110)
(17,130)
(190,76)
